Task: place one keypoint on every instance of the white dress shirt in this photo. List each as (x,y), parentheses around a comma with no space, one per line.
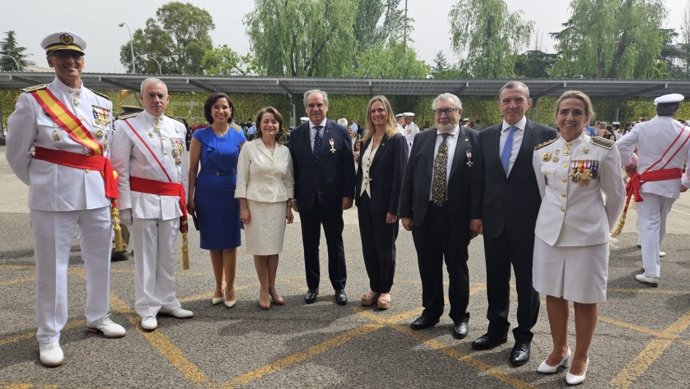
(518,135)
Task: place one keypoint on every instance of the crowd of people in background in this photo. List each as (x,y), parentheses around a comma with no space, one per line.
(445,183)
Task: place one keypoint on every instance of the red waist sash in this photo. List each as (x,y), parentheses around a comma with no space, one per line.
(162,188)
(636,180)
(92,162)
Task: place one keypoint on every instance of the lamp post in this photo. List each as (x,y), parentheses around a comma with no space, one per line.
(16,62)
(131,45)
(160,65)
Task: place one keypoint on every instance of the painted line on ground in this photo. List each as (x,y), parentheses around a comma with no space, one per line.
(650,353)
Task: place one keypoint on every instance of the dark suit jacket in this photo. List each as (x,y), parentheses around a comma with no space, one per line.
(508,202)
(414,197)
(385,174)
(330,177)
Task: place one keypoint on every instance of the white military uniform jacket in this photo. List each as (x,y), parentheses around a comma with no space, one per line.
(263,175)
(54,187)
(409,131)
(581,185)
(652,138)
(131,158)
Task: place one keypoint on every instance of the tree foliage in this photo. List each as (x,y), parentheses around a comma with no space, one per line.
(615,39)
(178,38)
(302,38)
(393,61)
(488,36)
(534,64)
(12,56)
(223,61)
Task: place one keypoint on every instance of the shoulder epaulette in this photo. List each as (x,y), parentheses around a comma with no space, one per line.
(101,94)
(543,144)
(127,116)
(603,142)
(34,88)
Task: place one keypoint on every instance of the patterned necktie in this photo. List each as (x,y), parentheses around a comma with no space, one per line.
(317,141)
(507,149)
(438,181)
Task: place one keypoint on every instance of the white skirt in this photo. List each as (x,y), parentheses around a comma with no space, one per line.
(266,229)
(576,274)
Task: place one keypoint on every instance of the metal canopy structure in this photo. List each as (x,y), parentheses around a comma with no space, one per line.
(619,89)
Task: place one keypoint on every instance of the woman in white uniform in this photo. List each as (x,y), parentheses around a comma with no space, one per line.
(265,187)
(580,180)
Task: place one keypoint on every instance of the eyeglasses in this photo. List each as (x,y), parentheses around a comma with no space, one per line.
(447,111)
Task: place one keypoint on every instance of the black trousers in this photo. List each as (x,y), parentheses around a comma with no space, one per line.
(501,253)
(378,245)
(435,242)
(332,221)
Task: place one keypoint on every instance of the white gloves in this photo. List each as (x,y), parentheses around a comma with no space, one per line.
(126,216)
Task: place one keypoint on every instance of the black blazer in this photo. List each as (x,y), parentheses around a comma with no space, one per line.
(414,197)
(508,202)
(385,174)
(330,177)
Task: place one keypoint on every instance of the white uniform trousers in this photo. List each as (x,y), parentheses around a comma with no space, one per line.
(52,234)
(651,216)
(154,265)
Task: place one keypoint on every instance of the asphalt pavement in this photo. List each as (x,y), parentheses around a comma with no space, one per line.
(642,338)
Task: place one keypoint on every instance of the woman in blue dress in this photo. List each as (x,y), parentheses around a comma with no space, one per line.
(211,197)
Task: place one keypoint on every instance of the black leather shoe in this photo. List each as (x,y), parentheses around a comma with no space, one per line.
(459,330)
(310,296)
(340,297)
(423,322)
(520,354)
(486,342)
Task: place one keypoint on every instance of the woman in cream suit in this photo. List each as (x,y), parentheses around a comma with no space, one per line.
(580,180)
(265,188)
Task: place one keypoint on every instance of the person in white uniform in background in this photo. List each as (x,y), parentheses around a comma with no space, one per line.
(410,129)
(68,177)
(149,156)
(656,180)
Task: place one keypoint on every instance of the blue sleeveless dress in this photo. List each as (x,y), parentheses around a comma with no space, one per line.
(217,209)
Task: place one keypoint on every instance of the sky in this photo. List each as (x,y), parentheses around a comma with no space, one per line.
(97,22)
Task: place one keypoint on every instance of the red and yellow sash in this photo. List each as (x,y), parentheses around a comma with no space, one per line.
(67,121)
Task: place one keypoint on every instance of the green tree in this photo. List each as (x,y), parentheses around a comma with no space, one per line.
(303,38)
(488,36)
(611,39)
(223,61)
(12,56)
(392,61)
(178,38)
(441,68)
(534,64)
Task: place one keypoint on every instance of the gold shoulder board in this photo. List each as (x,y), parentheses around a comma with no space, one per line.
(543,144)
(34,88)
(127,116)
(101,94)
(603,142)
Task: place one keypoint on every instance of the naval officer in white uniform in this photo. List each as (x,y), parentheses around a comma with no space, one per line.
(582,191)
(662,144)
(67,188)
(150,157)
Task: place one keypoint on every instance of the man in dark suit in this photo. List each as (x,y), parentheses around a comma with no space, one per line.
(324,174)
(435,206)
(505,204)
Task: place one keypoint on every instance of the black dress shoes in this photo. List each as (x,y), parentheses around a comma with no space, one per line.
(520,354)
(310,296)
(459,330)
(423,322)
(487,341)
(340,297)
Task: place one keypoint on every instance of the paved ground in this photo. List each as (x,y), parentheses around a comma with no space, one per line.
(642,339)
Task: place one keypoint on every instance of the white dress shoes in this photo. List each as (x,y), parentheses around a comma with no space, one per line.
(651,281)
(545,368)
(178,313)
(51,354)
(108,328)
(217,300)
(149,323)
(572,379)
